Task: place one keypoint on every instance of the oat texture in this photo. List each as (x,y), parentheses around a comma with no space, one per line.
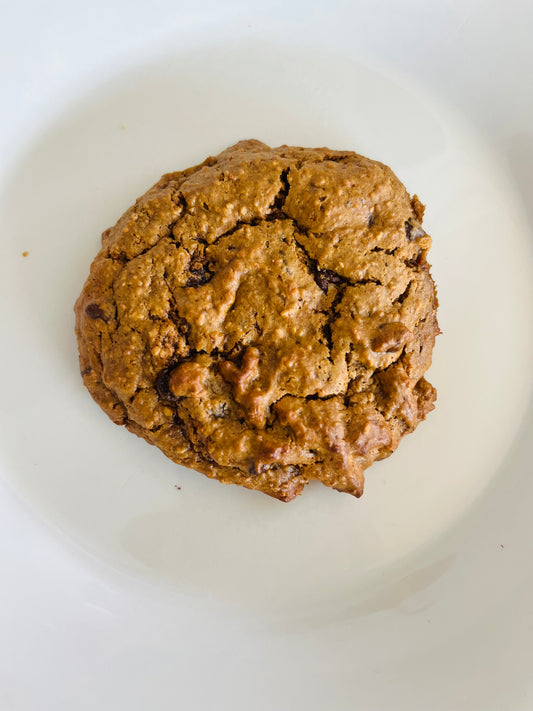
(265,318)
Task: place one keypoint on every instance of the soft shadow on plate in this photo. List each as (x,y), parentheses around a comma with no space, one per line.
(520,156)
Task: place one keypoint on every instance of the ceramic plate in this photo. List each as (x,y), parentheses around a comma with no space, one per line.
(130,582)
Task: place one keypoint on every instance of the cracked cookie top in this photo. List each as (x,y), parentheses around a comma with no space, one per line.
(265,318)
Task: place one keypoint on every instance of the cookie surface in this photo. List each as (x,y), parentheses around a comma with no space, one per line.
(265,318)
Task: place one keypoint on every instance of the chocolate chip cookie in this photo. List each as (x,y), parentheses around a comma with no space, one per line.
(265,317)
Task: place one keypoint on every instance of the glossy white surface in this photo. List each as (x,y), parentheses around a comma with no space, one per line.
(121,591)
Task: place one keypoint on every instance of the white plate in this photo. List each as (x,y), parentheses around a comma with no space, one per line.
(121,590)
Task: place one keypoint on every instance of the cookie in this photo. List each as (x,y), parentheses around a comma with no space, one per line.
(265,317)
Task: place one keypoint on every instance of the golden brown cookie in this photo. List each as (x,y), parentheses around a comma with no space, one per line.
(265,318)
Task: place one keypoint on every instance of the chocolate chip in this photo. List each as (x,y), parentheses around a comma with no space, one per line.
(94,311)
(418,261)
(257,468)
(200,274)
(162,384)
(325,277)
(200,279)
(404,294)
(413,230)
